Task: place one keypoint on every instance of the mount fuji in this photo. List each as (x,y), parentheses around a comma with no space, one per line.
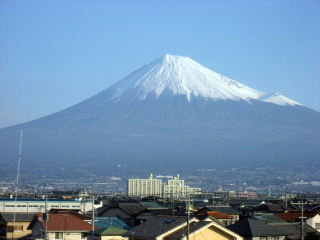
(172,112)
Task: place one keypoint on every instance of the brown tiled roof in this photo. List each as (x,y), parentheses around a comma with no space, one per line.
(293,216)
(74,212)
(64,222)
(218,215)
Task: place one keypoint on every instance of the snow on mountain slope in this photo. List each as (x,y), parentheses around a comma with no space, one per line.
(183,76)
(155,133)
(179,75)
(279,99)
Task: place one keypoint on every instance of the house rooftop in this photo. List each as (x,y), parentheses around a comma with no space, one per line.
(269,218)
(151,205)
(294,216)
(224,209)
(254,228)
(62,222)
(219,215)
(156,226)
(194,226)
(107,222)
(132,208)
(19,217)
(112,231)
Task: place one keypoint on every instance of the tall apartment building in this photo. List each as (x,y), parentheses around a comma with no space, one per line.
(175,188)
(145,187)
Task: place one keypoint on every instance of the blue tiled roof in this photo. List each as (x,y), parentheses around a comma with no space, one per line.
(106,222)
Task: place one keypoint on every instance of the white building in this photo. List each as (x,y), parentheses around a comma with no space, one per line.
(145,187)
(39,205)
(177,189)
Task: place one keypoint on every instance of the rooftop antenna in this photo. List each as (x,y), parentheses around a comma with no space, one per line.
(17,184)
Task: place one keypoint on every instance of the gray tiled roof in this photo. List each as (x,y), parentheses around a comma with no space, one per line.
(268,218)
(224,209)
(131,208)
(151,205)
(20,217)
(254,228)
(156,226)
(294,230)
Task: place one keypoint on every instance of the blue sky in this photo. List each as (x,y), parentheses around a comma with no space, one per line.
(54,54)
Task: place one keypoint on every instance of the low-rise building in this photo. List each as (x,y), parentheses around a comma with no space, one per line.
(66,225)
(252,229)
(229,211)
(312,218)
(173,228)
(30,205)
(234,195)
(16,224)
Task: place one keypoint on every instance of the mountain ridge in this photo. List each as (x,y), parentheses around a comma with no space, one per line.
(153,130)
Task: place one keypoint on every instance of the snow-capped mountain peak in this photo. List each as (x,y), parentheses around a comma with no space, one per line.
(278,99)
(181,75)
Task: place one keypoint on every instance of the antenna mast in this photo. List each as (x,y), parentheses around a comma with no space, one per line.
(92,222)
(17,183)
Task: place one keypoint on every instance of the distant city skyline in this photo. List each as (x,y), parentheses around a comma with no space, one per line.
(55,54)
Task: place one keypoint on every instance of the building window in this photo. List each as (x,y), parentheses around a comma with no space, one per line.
(263,238)
(83,236)
(58,235)
(317,226)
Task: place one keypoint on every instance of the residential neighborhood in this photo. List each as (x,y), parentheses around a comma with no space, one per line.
(72,215)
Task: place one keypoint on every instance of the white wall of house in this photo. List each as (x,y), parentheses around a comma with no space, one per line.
(269,238)
(314,222)
(113,238)
(67,235)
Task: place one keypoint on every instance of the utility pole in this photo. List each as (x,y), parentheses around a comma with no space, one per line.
(301,205)
(188,214)
(92,222)
(46,217)
(286,198)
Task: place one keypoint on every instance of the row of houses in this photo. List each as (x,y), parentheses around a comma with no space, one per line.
(153,221)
